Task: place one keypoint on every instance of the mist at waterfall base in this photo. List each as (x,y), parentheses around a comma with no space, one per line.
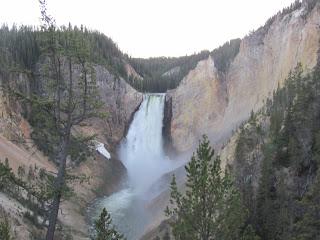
(142,151)
(143,155)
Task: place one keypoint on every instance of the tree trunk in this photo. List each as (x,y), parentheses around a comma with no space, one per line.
(58,186)
(62,158)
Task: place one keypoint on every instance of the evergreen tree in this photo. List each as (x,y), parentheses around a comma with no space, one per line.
(104,229)
(308,227)
(249,234)
(211,207)
(69,100)
(166,236)
(21,172)
(5,229)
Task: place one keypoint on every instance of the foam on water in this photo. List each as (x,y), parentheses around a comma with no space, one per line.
(142,150)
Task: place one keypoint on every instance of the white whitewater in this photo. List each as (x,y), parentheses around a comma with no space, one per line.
(142,151)
(143,155)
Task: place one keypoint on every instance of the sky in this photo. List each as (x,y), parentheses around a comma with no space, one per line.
(152,28)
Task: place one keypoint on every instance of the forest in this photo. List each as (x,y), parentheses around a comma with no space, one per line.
(21,50)
(21,47)
(162,74)
(279,149)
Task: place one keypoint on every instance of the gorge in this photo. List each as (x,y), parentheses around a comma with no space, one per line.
(250,96)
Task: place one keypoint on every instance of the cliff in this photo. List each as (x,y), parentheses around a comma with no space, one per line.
(120,101)
(211,102)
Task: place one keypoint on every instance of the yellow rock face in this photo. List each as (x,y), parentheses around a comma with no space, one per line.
(199,103)
(210,103)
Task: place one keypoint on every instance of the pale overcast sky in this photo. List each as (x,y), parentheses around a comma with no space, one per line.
(145,28)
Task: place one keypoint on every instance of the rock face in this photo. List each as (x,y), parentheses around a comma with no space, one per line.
(120,103)
(131,72)
(197,104)
(167,117)
(12,125)
(214,103)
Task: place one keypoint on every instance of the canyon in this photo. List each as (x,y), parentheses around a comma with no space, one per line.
(208,100)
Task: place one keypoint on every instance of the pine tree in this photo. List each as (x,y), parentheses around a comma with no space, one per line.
(211,207)
(266,212)
(70,99)
(104,229)
(249,234)
(308,227)
(21,172)
(5,229)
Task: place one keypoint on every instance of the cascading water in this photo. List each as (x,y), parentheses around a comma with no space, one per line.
(142,154)
(142,151)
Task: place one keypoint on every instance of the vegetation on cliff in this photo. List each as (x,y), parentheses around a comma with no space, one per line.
(104,230)
(5,228)
(22,48)
(281,150)
(276,171)
(32,188)
(211,208)
(161,74)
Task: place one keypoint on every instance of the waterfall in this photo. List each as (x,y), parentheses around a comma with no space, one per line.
(142,150)
(143,156)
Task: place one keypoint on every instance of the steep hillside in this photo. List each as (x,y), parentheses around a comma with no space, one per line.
(264,60)
(275,160)
(27,142)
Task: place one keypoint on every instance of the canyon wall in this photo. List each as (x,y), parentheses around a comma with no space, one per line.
(214,103)
(120,101)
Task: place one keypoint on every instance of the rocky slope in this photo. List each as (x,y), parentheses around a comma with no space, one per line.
(211,102)
(120,102)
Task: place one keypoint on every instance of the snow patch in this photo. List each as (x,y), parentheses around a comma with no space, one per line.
(102,150)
